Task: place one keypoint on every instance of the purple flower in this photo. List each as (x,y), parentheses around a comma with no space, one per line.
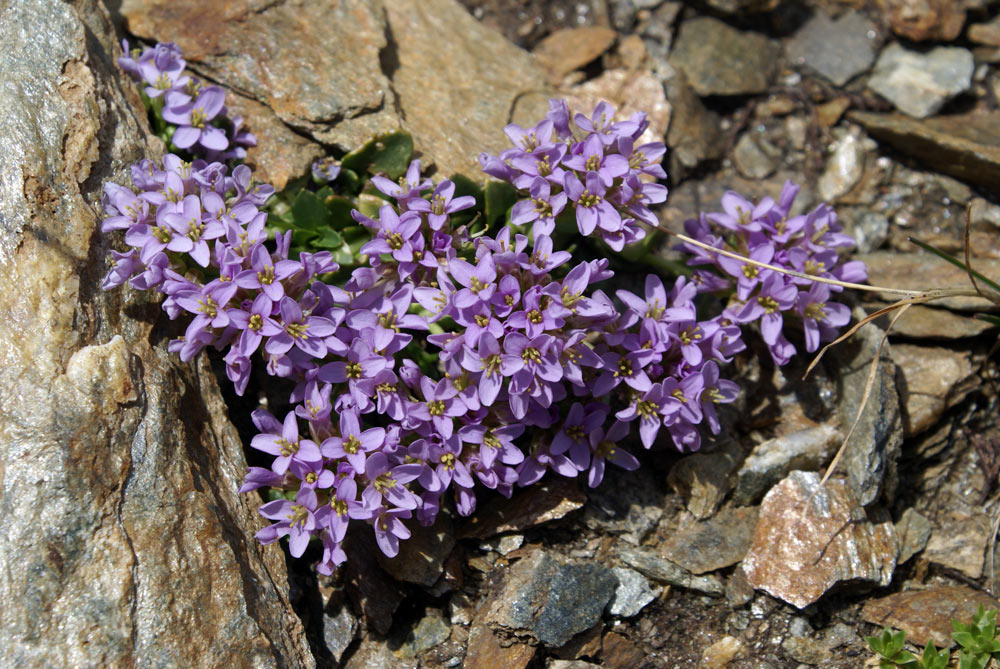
(388,483)
(820,317)
(295,520)
(716,391)
(442,204)
(325,170)
(287,446)
(592,210)
(605,446)
(296,329)
(353,444)
(193,117)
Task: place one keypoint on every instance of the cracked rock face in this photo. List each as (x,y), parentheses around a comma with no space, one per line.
(313,74)
(123,540)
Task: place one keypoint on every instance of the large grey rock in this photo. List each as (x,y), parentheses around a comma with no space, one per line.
(837,49)
(338,73)
(918,84)
(123,540)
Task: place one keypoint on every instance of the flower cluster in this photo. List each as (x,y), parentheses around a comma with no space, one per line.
(195,113)
(591,165)
(449,361)
(764,232)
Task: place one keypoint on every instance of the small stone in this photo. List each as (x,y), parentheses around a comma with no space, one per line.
(985,33)
(374,653)
(617,652)
(568,49)
(720,653)
(572,664)
(430,631)
(809,538)
(712,544)
(919,84)
(547,501)
(632,594)
(720,60)
(983,211)
(913,531)
(919,20)
(738,591)
(959,538)
(660,569)
(828,113)
(584,644)
(838,49)
(843,169)
(739,7)
(806,650)
(755,157)
(870,229)
(627,505)
(705,478)
(936,379)
(548,601)
(485,650)
(926,615)
(339,629)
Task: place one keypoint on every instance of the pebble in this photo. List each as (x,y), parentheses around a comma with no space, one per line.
(568,49)
(870,229)
(712,544)
(913,531)
(720,654)
(547,501)
(923,271)
(665,571)
(920,20)
(919,84)
(339,630)
(721,60)
(936,379)
(838,49)
(755,157)
(705,478)
(429,631)
(809,538)
(632,594)
(987,34)
(959,538)
(843,169)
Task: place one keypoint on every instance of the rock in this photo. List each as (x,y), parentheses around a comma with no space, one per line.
(755,157)
(632,594)
(421,557)
(966,146)
(712,544)
(923,271)
(869,229)
(124,541)
(339,628)
(837,49)
(627,505)
(372,592)
(660,569)
(695,135)
(982,211)
(913,530)
(721,60)
(658,32)
(548,601)
(935,379)
(374,653)
(429,631)
(548,500)
(872,450)
(843,169)
(738,591)
(705,478)
(806,650)
(484,650)
(920,20)
(343,96)
(720,653)
(926,615)
(617,652)
(959,538)
(920,322)
(584,644)
(628,91)
(568,49)
(828,113)
(503,545)
(985,33)
(810,538)
(572,664)
(918,84)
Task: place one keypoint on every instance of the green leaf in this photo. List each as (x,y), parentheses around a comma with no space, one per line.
(499,197)
(968,660)
(995,320)
(309,212)
(328,239)
(370,204)
(340,208)
(964,639)
(956,262)
(932,658)
(389,153)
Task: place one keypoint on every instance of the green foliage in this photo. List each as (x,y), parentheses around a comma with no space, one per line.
(978,644)
(389,154)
